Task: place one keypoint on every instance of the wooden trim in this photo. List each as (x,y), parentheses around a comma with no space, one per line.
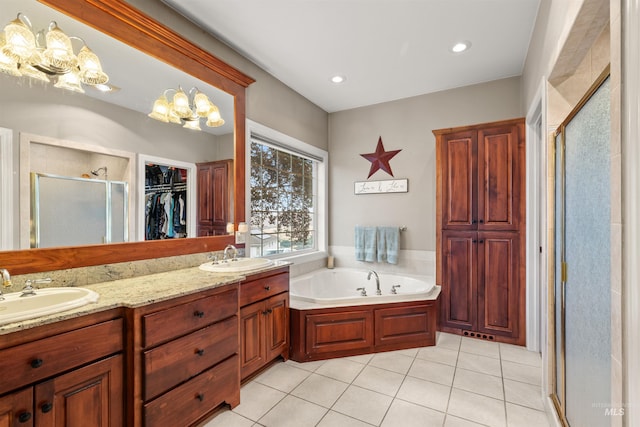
(129,25)
(479,126)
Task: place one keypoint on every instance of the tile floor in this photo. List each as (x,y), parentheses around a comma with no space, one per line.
(461,382)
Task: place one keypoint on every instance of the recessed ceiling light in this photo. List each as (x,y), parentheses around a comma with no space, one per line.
(460,47)
(337,79)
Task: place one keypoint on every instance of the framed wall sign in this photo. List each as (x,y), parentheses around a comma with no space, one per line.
(378,187)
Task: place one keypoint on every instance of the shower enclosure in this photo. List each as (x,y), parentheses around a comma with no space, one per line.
(582,326)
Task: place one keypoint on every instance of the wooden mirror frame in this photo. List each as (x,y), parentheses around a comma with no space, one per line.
(132,27)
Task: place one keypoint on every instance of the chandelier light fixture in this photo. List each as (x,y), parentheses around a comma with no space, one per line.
(48,56)
(186,109)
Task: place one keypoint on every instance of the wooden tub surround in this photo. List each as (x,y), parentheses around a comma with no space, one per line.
(325,333)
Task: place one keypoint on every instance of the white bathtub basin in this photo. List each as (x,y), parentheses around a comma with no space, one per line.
(238,266)
(15,308)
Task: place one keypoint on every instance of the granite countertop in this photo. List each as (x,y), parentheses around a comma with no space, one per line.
(140,291)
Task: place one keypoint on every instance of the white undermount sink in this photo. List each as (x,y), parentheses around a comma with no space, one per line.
(15,308)
(237,266)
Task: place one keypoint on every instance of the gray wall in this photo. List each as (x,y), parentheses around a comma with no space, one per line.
(405,124)
(269,101)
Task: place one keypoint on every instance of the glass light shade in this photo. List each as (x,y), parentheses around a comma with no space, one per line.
(181,105)
(160,109)
(70,81)
(192,123)
(59,52)
(90,69)
(7,65)
(173,117)
(213,119)
(243,227)
(19,41)
(202,104)
(230,227)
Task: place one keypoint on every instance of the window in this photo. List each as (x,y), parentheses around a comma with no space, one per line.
(286,188)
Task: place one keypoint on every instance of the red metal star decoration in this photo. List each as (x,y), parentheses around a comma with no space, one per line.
(380,159)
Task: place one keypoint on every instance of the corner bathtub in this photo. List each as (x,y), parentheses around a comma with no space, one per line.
(340,286)
(329,317)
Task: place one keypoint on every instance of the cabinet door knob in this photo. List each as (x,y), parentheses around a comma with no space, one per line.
(198,313)
(46,407)
(482,221)
(200,397)
(474,241)
(474,222)
(481,241)
(24,417)
(36,363)
(200,351)
(267,288)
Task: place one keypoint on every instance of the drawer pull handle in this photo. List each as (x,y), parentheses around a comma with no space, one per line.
(200,352)
(200,397)
(267,288)
(198,313)
(46,407)
(267,311)
(24,417)
(36,363)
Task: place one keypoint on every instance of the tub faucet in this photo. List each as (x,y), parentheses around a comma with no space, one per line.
(6,280)
(235,253)
(378,291)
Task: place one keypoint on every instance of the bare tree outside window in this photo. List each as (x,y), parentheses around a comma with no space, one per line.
(282,201)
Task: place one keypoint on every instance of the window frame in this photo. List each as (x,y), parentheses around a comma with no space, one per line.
(321,210)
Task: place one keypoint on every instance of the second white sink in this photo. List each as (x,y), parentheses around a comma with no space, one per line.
(15,308)
(238,266)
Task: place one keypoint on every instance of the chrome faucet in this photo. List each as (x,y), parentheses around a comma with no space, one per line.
(235,253)
(29,290)
(378,291)
(6,280)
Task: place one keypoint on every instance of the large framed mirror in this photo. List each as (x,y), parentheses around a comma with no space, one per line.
(196,68)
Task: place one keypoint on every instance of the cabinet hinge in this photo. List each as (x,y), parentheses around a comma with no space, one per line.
(563,272)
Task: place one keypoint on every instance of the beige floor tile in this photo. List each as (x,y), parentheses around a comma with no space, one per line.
(439,354)
(476,382)
(362,358)
(362,404)
(523,373)
(228,419)
(380,380)
(256,400)
(411,352)
(432,371)
(477,408)
(518,354)
(340,369)
(335,419)
(293,412)
(477,346)
(392,361)
(523,394)
(282,377)
(519,416)
(446,340)
(320,390)
(425,393)
(452,421)
(477,363)
(307,366)
(407,414)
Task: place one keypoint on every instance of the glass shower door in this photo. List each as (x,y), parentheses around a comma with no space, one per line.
(583,251)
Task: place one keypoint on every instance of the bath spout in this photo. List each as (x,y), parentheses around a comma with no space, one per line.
(378,291)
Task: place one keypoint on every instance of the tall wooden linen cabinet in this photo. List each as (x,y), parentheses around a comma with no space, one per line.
(480,216)
(215,190)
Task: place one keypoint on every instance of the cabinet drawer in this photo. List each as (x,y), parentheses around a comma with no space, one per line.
(185,404)
(257,290)
(181,319)
(178,360)
(31,362)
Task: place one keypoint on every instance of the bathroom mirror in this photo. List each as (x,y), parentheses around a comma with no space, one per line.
(119,20)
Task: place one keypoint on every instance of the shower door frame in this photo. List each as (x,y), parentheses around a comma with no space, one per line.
(559,355)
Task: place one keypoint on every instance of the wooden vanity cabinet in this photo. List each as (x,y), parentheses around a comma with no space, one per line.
(64,374)
(264,320)
(184,358)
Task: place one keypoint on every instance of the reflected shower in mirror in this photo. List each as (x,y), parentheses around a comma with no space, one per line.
(115,121)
